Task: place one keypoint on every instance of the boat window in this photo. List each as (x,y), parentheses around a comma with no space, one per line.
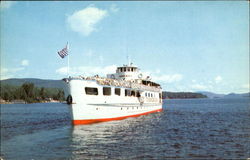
(129,69)
(132,69)
(118,91)
(132,93)
(138,94)
(151,95)
(127,92)
(106,91)
(160,95)
(91,91)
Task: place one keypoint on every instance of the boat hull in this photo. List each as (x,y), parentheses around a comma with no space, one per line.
(93,108)
(87,114)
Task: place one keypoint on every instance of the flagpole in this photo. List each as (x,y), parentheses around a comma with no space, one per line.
(68,57)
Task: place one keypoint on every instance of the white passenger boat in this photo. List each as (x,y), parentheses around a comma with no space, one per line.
(126,93)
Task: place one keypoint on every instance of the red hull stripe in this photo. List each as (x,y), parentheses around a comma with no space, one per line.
(89,121)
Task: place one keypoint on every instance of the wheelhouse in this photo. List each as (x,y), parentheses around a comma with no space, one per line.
(126,69)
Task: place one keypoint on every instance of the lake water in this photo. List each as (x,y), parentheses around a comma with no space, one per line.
(191,128)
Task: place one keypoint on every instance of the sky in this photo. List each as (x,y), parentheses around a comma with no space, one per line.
(183,45)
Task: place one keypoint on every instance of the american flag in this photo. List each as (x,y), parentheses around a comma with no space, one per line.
(64,52)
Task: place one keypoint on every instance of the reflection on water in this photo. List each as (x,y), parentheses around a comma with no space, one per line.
(114,139)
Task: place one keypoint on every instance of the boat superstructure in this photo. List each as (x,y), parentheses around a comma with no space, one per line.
(123,94)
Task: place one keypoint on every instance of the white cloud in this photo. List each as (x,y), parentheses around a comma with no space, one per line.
(246,86)
(87,70)
(168,78)
(7,4)
(210,82)
(25,62)
(102,71)
(62,70)
(9,72)
(218,79)
(84,21)
(198,87)
(164,78)
(158,71)
(114,8)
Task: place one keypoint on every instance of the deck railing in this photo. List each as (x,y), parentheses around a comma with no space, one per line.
(120,83)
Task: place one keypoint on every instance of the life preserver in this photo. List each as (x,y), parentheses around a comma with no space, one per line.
(69,99)
(140,75)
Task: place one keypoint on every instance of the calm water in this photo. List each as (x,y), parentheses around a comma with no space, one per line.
(197,128)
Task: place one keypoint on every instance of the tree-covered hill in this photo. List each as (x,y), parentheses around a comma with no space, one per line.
(31,90)
(29,93)
(37,82)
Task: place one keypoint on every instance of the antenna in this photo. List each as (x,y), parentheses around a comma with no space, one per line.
(129,60)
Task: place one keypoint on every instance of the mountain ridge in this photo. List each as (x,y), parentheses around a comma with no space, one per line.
(230,95)
(47,83)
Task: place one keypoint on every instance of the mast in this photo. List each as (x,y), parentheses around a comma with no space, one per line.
(128,60)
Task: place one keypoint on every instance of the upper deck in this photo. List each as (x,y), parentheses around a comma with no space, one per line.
(136,84)
(128,72)
(127,76)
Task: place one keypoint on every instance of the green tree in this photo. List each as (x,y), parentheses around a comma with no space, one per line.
(6,96)
(60,95)
(42,93)
(28,90)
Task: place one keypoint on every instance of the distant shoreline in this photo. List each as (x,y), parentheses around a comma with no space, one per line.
(23,102)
